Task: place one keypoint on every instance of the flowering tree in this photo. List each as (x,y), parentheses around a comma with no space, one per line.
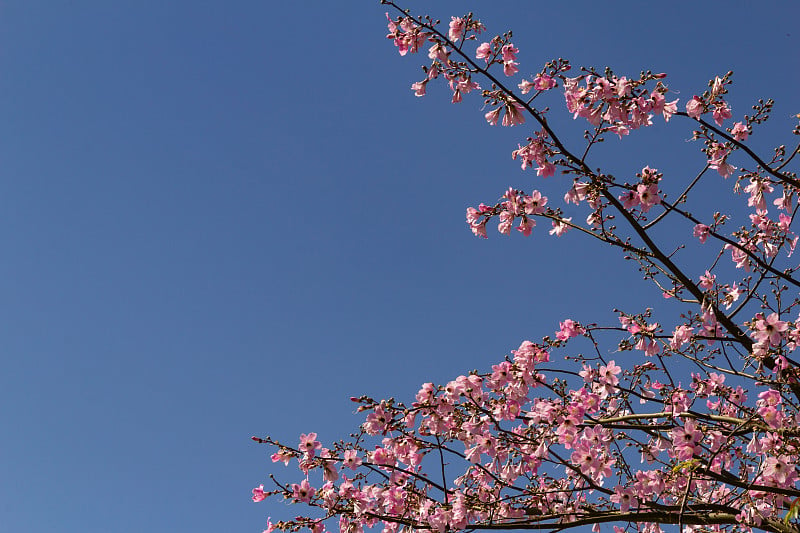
(704,432)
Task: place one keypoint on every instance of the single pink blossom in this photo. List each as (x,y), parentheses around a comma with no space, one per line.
(568,329)
(660,105)
(438,51)
(493,116)
(303,492)
(258,493)
(721,112)
(513,114)
(351,459)
(701,231)
(694,107)
(473,215)
(784,202)
(770,329)
(707,280)
(510,68)
(526,226)
(648,196)
(526,86)
(629,199)
(560,227)
(680,336)
(309,444)
(686,440)
(484,51)
(457,26)
(479,230)
(717,156)
(608,373)
(543,82)
(509,52)
(282,455)
(739,131)
(625,497)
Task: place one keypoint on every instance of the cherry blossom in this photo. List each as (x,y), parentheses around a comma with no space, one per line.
(692,423)
(258,493)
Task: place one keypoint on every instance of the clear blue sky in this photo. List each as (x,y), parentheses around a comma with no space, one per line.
(221,219)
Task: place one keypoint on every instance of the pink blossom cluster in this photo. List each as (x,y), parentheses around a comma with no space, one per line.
(620,103)
(536,151)
(646,194)
(513,428)
(637,439)
(517,205)
(713,101)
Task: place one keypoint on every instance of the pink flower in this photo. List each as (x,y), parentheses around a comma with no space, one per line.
(660,105)
(739,131)
(756,190)
(569,329)
(457,25)
(717,156)
(419,88)
(484,51)
(583,457)
(770,329)
(647,345)
(768,403)
(258,493)
(351,459)
(721,112)
(686,440)
(526,226)
(624,497)
(608,373)
(593,115)
(513,114)
(739,257)
(670,108)
(717,87)
(732,295)
(680,336)
(377,421)
(303,492)
(493,116)
(784,202)
(329,472)
(479,230)
(784,222)
(701,231)
(694,107)
(629,199)
(534,204)
(559,227)
(543,82)
(473,215)
(510,68)
(509,52)
(779,469)
(707,280)
(438,51)
(648,196)
(506,221)
(546,169)
(526,86)
(308,444)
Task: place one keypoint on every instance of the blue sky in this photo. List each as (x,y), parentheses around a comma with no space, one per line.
(223,219)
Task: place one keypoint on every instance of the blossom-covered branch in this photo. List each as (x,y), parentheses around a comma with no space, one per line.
(552,438)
